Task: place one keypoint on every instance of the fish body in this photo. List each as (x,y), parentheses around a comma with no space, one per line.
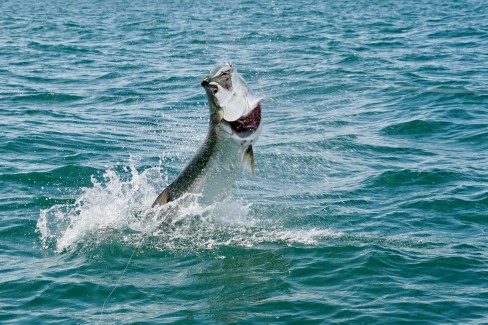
(234,126)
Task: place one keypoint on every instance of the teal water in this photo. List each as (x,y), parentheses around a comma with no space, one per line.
(371,199)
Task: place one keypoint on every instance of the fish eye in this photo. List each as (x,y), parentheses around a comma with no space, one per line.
(214,89)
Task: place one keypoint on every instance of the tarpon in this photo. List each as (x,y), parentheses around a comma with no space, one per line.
(234,126)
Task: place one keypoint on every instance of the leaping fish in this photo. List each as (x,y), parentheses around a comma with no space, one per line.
(234,126)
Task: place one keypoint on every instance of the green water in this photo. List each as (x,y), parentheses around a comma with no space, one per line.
(371,199)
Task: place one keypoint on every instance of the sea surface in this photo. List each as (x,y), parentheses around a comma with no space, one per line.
(370,204)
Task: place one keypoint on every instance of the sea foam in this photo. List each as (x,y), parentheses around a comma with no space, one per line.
(117,209)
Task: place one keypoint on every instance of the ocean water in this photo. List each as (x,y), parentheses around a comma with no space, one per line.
(371,199)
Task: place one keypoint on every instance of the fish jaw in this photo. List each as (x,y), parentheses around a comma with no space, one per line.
(229,97)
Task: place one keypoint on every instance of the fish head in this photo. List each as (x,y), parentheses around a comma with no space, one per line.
(230,99)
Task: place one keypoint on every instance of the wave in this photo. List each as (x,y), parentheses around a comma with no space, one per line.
(415,127)
(47,97)
(408,177)
(66,175)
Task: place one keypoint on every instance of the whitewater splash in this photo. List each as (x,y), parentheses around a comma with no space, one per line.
(116,210)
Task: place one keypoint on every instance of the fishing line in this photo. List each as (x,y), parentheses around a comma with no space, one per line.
(120,278)
(143,237)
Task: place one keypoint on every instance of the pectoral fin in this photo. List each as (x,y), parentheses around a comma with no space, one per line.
(163,198)
(249,160)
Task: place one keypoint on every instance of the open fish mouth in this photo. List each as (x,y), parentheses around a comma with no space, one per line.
(231,99)
(247,124)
